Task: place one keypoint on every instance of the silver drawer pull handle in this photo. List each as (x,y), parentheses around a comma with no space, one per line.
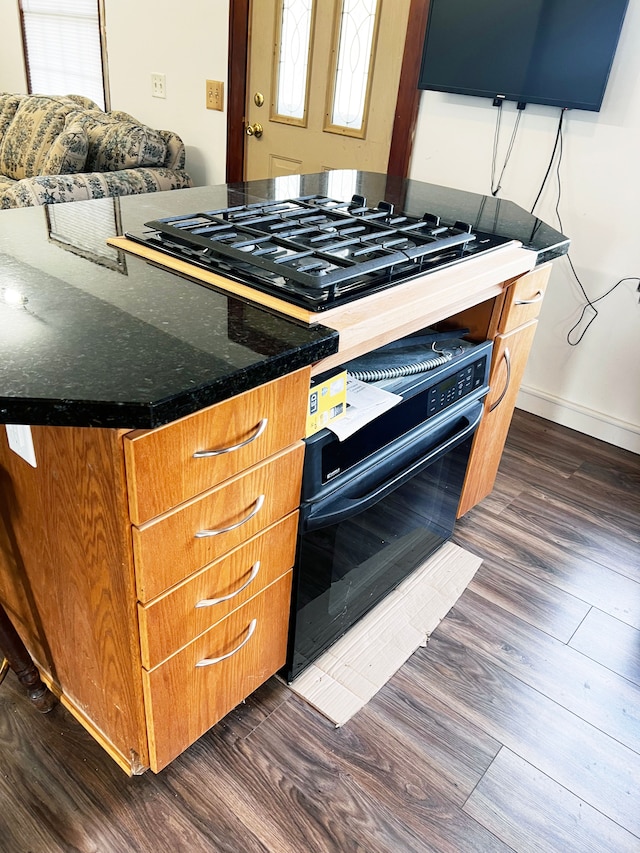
(507,361)
(536,298)
(210,661)
(205,454)
(209,602)
(202,534)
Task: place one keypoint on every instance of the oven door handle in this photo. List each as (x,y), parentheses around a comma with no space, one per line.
(339,507)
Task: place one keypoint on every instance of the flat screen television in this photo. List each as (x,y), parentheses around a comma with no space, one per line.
(555,52)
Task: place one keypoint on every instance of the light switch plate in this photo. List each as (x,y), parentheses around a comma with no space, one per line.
(21,442)
(215,95)
(158,85)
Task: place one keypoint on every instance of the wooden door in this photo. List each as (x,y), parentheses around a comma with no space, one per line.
(323,81)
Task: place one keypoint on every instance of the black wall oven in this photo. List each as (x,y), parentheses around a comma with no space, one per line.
(376,505)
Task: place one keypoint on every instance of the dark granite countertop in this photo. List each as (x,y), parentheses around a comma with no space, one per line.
(83,344)
(91,337)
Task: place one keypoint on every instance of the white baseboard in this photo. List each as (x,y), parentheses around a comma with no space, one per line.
(606,428)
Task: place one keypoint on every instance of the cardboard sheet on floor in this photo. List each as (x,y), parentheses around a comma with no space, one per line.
(352,671)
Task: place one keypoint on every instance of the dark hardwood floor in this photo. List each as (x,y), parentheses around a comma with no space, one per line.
(516,728)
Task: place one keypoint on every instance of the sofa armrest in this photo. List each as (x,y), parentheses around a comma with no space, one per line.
(52,189)
(176,154)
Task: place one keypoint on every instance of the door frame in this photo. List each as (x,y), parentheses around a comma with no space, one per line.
(406,114)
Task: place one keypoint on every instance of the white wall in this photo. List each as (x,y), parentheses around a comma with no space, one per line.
(188,42)
(12,72)
(593,387)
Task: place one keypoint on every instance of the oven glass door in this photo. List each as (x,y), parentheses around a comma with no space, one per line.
(358,543)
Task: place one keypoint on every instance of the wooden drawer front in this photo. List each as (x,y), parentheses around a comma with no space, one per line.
(524,298)
(173,620)
(183,700)
(167,550)
(161,469)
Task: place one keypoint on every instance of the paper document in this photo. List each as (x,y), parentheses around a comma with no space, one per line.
(364,403)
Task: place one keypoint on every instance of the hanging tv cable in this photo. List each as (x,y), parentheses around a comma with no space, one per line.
(496,187)
(551,159)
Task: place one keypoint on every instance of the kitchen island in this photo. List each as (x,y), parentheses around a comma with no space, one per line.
(150,584)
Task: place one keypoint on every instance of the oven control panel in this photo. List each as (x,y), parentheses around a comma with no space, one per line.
(432,395)
(453,388)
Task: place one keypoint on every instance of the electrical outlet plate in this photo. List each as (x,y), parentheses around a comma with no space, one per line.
(158,86)
(215,95)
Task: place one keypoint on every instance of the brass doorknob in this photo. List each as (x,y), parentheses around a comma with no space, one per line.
(255,130)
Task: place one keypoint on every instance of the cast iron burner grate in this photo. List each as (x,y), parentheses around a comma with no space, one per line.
(315,251)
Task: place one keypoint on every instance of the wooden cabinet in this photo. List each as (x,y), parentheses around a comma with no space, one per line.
(509,359)
(127,558)
(511,322)
(193,689)
(109,545)
(198,664)
(174,618)
(173,545)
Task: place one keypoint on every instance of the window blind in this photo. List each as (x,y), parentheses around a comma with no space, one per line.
(63,49)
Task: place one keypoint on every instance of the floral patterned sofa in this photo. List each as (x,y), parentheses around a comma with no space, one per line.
(55,149)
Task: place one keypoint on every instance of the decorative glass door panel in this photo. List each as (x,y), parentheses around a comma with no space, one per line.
(292,58)
(322,84)
(350,89)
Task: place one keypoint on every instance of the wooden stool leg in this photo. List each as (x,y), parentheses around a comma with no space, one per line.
(20,662)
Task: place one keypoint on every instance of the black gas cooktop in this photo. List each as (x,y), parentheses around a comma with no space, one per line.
(315,251)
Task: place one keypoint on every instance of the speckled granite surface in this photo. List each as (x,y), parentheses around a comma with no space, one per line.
(85,345)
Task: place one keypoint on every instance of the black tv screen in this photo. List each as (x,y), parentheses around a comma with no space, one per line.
(556,52)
